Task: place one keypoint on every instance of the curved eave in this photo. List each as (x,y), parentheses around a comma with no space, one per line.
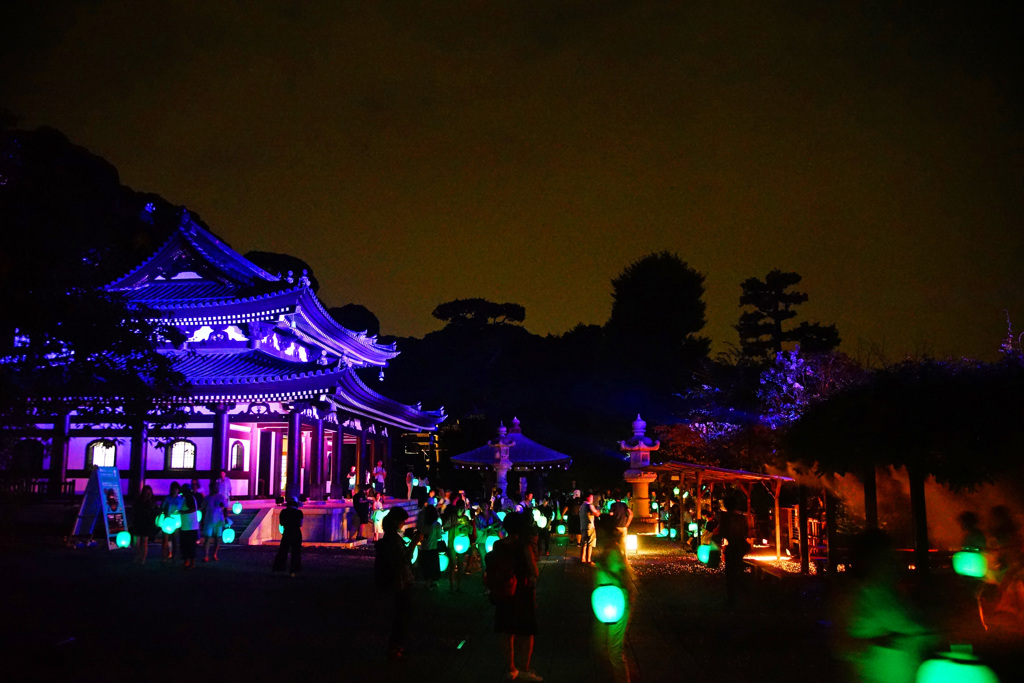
(354,396)
(530,456)
(215,252)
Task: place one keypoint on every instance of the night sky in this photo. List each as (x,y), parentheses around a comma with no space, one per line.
(415,153)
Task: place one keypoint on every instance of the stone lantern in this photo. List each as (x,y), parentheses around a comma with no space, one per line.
(639,447)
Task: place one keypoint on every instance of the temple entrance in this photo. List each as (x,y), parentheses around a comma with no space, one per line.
(266,455)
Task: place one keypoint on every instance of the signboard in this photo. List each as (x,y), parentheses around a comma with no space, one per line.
(102,500)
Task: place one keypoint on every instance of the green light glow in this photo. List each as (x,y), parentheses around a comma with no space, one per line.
(949,667)
(501,515)
(415,554)
(609,603)
(228,536)
(415,482)
(236,508)
(177,521)
(489,543)
(654,505)
(663,533)
(560,529)
(167,525)
(675,491)
(124,539)
(460,544)
(704,553)
(970,563)
(442,563)
(672,533)
(542,521)
(692,527)
(199,515)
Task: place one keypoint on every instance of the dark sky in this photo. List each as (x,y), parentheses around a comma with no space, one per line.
(415,153)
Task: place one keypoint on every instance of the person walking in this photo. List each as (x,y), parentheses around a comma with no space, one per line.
(215,518)
(291,538)
(487,524)
(515,616)
(613,570)
(588,516)
(189,526)
(392,574)
(621,515)
(171,507)
(144,523)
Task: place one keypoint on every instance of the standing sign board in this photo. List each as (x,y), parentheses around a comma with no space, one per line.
(102,500)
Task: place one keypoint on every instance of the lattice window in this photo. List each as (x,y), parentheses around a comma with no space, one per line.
(181,455)
(101,453)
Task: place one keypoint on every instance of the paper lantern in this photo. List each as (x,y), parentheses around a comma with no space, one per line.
(560,529)
(415,482)
(672,533)
(675,491)
(228,536)
(236,508)
(442,563)
(280,528)
(489,543)
(415,554)
(167,525)
(955,666)
(654,505)
(542,521)
(664,532)
(704,553)
(609,603)
(123,539)
(631,542)
(199,515)
(460,544)
(501,515)
(692,527)
(970,563)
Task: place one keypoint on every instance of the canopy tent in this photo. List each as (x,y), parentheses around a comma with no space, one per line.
(698,475)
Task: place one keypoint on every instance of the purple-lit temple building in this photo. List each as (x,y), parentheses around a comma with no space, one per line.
(273,396)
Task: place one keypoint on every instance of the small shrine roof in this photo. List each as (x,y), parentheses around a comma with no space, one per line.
(525,454)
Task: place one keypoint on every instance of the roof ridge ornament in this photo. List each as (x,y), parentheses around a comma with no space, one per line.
(304,278)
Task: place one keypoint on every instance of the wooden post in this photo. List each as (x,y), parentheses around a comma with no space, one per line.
(219,454)
(920,514)
(59,452)
(700,494)
(137,459)
(805,550)
(293,484)
(830,530)
(870,497)
(778,521)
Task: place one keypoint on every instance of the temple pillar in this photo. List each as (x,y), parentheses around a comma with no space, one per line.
(293,485)
(338,470)
(316,461)
(137,459)
(219,455)
(59,452)
(360,454)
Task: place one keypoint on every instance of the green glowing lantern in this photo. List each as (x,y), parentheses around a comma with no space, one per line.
(460,544)
(609,603)
(280,528)
(501,515)
(407,541)
(672,533)
(970,563)
(415,482)
(560,529)
(654,505)
(489,543)
(415,554)
(124,539)
(692,527)
(704,553)
(542,521)
(228,536)
(199,515)
(177,520)
(664,532)
(442,563)
(675,491)
(961,667)
(167,525)
(685,494)
(378,516)
(236,508)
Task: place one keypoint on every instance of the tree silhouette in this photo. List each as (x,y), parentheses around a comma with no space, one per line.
(357,318)
(657,311)
(478,312)
(761,330)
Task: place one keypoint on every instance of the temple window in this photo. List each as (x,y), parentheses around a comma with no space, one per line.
(101,453)
(237,456)
(181,455)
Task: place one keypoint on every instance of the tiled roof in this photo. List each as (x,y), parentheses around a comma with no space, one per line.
(240,368)
(526,454)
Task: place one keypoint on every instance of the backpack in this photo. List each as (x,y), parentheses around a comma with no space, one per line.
(500,577)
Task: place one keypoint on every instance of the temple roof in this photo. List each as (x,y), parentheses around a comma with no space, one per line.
(253,336)
(523,453)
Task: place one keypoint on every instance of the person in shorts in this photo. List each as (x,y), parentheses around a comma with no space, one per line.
(588,516)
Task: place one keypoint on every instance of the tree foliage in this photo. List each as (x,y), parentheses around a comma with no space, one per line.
(356,317)
(479,312)
(761,330)
(69,228)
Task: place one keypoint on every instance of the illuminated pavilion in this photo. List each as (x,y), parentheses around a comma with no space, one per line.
(273,396)
(511,452)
